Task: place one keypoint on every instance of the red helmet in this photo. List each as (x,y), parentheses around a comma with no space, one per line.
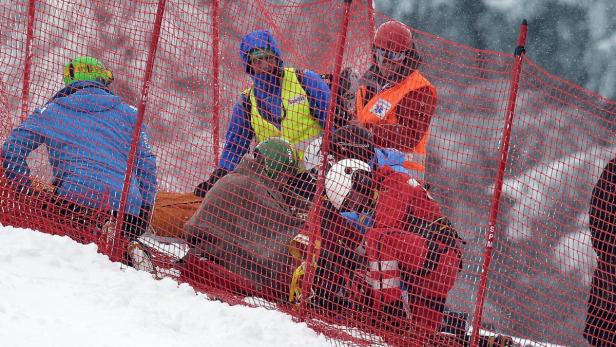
(393,36)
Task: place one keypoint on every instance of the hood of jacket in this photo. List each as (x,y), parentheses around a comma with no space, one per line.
(263,83)
(85,96)
(255,172)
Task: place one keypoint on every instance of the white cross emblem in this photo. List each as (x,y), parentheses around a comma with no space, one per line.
(380,108)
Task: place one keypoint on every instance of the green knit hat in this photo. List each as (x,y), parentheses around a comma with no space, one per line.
(86,68)
(278,156)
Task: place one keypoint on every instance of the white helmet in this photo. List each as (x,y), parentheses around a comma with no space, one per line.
(313,157)
(339,179)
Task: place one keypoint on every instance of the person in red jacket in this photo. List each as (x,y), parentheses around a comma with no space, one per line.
(348,190)
(413,253)
(394,100)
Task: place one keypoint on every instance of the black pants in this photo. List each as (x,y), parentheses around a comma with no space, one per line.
(85,221)
(133,226)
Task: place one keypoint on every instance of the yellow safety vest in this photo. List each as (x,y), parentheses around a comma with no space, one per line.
(298,126)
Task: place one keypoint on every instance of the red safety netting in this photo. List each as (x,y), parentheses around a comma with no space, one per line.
(451,208)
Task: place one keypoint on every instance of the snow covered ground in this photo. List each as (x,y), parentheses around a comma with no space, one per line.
(55,292)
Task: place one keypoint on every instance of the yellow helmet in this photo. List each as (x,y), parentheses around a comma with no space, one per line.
(86,68)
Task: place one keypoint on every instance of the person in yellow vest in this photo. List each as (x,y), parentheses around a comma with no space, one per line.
(394,100)
(282,102)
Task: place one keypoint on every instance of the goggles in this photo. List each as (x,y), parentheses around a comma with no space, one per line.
(261,54)
(394,56)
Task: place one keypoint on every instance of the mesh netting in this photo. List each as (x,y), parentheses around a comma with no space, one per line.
(283,155)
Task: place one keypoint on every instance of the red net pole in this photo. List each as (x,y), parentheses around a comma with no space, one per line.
(498,187)
(315,216)
(140,111)
(25,91)
(370,4)
(215,76)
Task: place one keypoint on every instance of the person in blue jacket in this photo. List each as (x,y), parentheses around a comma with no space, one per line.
(282,102)
(87,131)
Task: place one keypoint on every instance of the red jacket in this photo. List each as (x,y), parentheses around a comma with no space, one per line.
(400,196)
(401,258)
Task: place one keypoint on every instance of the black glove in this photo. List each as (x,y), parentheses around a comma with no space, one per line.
(443,232)
(304,184)
(205,186)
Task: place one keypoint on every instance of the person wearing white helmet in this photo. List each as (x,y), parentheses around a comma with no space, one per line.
(348,189)
(400,225)
(412,257)
(348,185)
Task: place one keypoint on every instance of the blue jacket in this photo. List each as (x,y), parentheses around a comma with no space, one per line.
(267,90)
(87,131)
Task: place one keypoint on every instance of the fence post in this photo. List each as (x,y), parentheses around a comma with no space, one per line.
(25,90)
(498,186)
(314,219)
(215,76)
(140,114)
(371,24)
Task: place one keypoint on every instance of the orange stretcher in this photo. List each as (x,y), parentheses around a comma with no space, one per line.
(172,211)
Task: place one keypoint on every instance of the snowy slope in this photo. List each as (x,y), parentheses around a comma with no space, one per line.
(56,292)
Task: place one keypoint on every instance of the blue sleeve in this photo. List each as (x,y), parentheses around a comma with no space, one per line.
(238,137)
(361,222)
(22,141)
(390,157)
(145,169)
(319,95)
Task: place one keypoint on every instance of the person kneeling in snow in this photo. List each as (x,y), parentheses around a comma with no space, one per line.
(414,254)
(348,199)
(87,131)
(407,252)
(241,231)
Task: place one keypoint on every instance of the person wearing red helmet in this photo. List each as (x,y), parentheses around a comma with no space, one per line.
(394,99)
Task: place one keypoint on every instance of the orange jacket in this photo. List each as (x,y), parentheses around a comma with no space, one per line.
(407,103)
